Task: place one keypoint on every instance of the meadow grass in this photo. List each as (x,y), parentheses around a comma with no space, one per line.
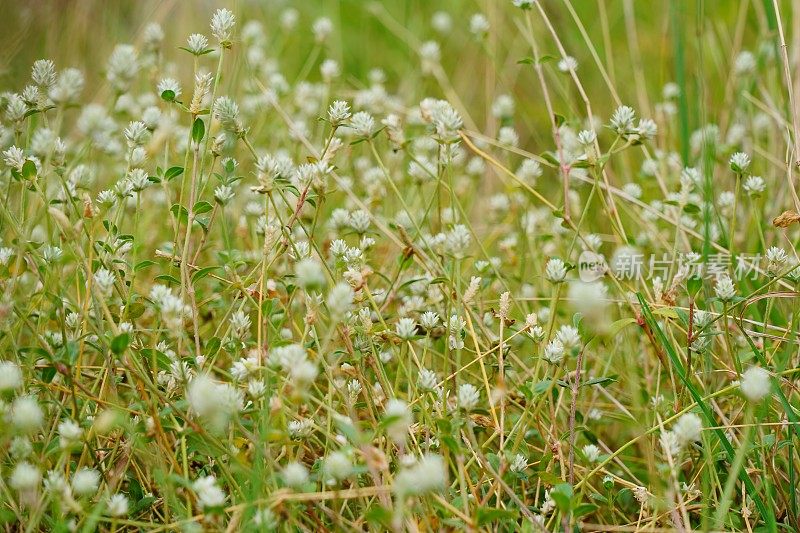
(339,265)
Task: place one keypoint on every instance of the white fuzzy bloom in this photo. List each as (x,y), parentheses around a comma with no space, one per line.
(427,380)
(69,433)
(554,352)
(362,124)
(426,475)
(208,493)
(468,396)
(322,28)
(339,112)
(338,466)
(754,185)
(622,120)
(309,274)
(25,477)
(406,328)
(117,505)
(85,481)
(295,475)
(519,463)
(555,270)
(591,452)
(568,64)
(197,43)
(26,414)
(688,428)
(724,288)
(400,419)
(222,23)
(755,384)
(739,162)
(169,84)
(10,375)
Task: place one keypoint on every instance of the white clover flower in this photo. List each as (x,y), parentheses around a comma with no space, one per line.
(26,414)
(739,162)
(322,28)
(10,376)
(529,170)
(591,452)
(339,112)
(622,120)
(197,44)
(755,384)
(519,464)
(338,466)
(123,65)
(329,69)
(479,25)
(688,428)
(587,137)
(85,481)
(554,352)
(69,433)
(399,419)
(208,493)
(406,328)
(362,124)
(169,84)
(431,54)
(468,396)
(43,73)
(223,194)
(523,4)
(507,136)
(340,300)
(568,64)
(222,23)
(503,106)
(25,477)
(427,380)
(428,474)
(309,274)
(724,288)
(556,270)
(745,62)
(754,185)
(117,505)
(295,475)
(226,111)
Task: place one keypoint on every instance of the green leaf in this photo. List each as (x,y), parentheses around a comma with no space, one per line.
(559,119)
(562,495)
(120,343)
(168,95)
(488,515)
(168,279)
(203,272)
(584,509)
(198,130)
(525,61)
(28,169)
(202,207)
(172,173)
(212,346)
(179,212)
(141,265)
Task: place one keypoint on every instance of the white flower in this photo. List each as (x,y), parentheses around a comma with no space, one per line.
(754,185)
(208,493)
(117,505)
(622,120)
(591,452)
(745,62)
(10,375)
(25,477)
(556,270)
(26,414)
(406,328)
(519,464)
(478,25)
(739,162)
(69,433)
(339,112)
(85,481)
(400,419)
(427,380)
(724,288)
(554,352)
(309,274)
(295,475)
(322,28)
(428,474)
(688,428)
(755,384)
(169,84)
(338,466)
(568,64)
(362,124)
(468,396)
(197,43)
(222,23)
